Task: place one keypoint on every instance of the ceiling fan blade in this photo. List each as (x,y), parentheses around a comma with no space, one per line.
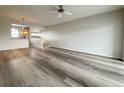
(59,15)
(52,12)
(56,6)
(67,13)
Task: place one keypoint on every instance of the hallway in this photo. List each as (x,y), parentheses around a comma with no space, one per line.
(52,67)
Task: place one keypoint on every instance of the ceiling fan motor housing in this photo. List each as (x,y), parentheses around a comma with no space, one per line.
(60,9)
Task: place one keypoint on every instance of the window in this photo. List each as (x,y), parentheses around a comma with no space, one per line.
(14,32)
(19,31)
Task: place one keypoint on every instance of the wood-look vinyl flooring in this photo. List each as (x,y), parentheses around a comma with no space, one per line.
(53,67)
(21,68)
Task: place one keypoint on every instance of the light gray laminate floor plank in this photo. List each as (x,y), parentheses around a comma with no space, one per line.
(18,69)
(51,67)
(90,77)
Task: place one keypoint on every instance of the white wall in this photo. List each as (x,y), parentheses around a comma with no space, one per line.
(100,34)
(5,37)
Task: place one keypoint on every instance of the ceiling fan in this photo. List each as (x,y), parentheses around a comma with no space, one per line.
(60,11)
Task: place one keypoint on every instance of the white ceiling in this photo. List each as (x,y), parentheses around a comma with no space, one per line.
(38,14)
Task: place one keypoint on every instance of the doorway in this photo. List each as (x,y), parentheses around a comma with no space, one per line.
(35,39)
